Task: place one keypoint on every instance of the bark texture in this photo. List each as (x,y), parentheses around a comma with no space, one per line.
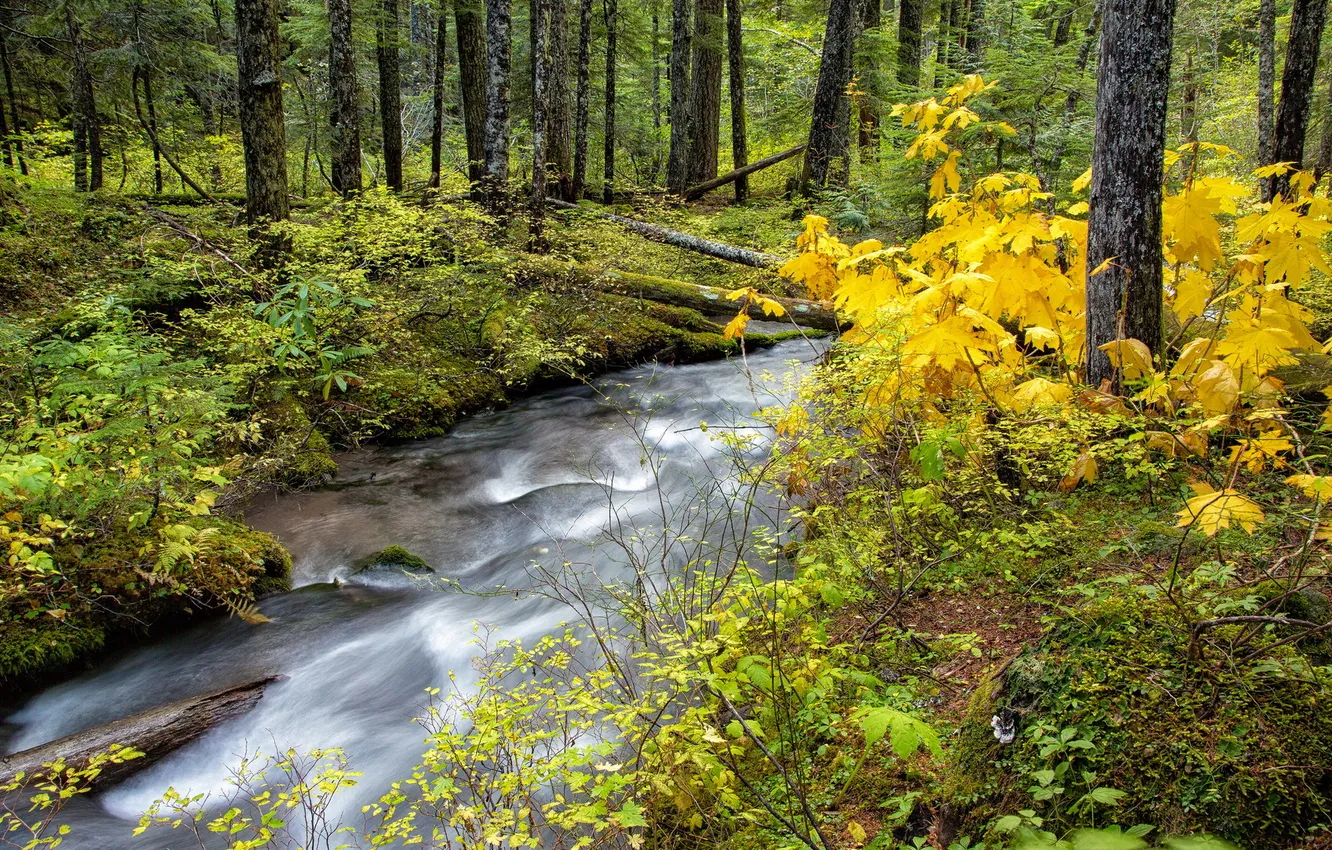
(468,22)
(705,90)
(541,73)
(698,245)
(909,15)
(263,131)
(498,58)
(608,137)
(1266,83)
(1297,82)
(155,733)
(560,143)
(677,163)
(584,96)
(437,105)
(1124,223)
(87,129)
(390,92)
(345,113)
(829,148)
(735,58)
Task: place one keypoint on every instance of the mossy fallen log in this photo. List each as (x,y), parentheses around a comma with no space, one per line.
(706,299)
(155,733)
(689,242)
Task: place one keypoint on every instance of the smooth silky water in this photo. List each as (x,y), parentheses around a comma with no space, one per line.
(539,481)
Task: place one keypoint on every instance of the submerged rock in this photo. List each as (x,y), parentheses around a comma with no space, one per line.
(394,558)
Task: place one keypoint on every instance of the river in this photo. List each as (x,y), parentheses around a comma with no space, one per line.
(542,480)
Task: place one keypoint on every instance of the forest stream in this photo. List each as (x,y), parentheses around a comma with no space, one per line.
(541,480)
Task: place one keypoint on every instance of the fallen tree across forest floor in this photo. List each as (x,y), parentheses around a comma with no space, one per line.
(693,193)
(688,242)
(155,732)
(705,299)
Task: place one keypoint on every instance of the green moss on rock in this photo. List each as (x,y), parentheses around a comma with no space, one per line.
(42,645)
(395,558)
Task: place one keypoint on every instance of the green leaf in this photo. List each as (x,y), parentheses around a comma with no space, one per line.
(631,814)
(1103,839)
(832,595)
(1108,796)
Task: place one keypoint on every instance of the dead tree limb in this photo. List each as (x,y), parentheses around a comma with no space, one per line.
(171,160)
(155,732)
(693,193)
(666,236)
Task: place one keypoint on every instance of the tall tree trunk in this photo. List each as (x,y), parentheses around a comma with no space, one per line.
(88,132)
(1297,82)
(5,141)
(1124,223)
(584,97)
(437,113)
(705,91)
(677,163)
(871,18)
(541,72)
(735,54)
(472,65)
(656,95)
(561,102)
(909,15)
(390,92)
(608,8)
(975,35)
(15,124)
(1266,88)
(263,133)
(498,51)
(146,74)
(829,148)
(345,114)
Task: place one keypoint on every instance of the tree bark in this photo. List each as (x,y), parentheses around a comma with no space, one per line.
(560,144)
(677,162)
(1266,88)
(693,193)
(975,35)
(705,90)
(1297,82)
(666,236)
(541,72)
(15,123)
(909,15)
(829,141)
(735,54)
(263,132)
(390,92)
(88,130)
(871,18)
(1124,223)
(437,98)
(656,95)
(146,74)
(498,51)
(345,114)
(156,733)
(610,12)
(472,63)
(584,96)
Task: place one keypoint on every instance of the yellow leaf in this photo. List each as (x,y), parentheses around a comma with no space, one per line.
(1257,349)
(1212,512)
(1039,392)
(1083,469)
(1217,388)
(1132,356)
(1039,337)
(1105,264)
(857,832)
(1314,486)
(1083,181)
(736,327)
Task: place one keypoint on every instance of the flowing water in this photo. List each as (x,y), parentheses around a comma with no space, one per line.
(540,481)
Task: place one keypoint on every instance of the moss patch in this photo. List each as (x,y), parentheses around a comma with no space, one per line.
(396,558)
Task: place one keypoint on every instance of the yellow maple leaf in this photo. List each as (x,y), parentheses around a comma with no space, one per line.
(1217,388)
(1256,452)
(1213,511)
(1040,392)
(1314,486)
(1041,337)
(1132,356)
(1083,469)
(1257,349)
(736,327)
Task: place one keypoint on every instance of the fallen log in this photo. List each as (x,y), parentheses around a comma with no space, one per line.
(666,236)
(709,300)
(693,193)
(155,732)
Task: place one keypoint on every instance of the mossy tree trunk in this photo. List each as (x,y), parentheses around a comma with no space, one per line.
(829,149)
(1124,223)
(583,97)
(263,131)
(677,161)
(471,33)
(345,115)
(390,92)
(735,55)
(498,59)
(611,14)
(705,90)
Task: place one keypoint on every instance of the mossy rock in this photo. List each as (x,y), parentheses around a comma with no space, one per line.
(1235,750)
(303,452)
(394,558)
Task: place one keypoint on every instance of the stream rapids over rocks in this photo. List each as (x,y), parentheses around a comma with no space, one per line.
(544,480)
